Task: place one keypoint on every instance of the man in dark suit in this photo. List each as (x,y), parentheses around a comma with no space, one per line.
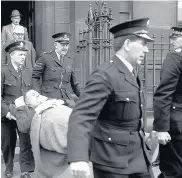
(31,53)
(106,125)
(168,110)
(8,30)
(55,68)
(15,80)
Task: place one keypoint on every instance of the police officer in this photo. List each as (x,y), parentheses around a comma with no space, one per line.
(168,110)
(31,54)
(14,82)
(55,68)
(109,112)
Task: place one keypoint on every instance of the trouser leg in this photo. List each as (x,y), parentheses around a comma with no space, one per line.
(26,158)
(8,143)
(171,159)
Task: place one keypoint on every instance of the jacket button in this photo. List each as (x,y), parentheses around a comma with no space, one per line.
(127,99)
(141,105)
(174,107)
(140,91)
(109,139)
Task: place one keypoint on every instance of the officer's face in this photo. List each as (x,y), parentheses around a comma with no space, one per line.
(176,42)
(18,57)
(137,50)
(16,20)
(62,48)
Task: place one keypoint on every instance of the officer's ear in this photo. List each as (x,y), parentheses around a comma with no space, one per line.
(126,45)
(12,54)
(55,45)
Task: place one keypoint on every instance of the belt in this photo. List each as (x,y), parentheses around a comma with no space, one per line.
(126,126)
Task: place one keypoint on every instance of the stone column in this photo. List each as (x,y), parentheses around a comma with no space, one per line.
(50,17)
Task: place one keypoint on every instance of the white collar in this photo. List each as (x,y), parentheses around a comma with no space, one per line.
(14,26)
(58,55)
(126,63)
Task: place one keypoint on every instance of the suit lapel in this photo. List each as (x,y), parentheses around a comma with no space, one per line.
(11,29)
(123,69)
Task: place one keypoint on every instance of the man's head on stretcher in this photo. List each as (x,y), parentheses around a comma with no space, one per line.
(32,98)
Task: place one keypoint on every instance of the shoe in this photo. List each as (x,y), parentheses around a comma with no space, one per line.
(25,175)
(8,173)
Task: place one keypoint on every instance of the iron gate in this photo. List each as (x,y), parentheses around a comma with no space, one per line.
(95,47)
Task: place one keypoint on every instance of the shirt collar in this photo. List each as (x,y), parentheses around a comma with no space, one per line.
(126,63)
(58,55)
(13,26)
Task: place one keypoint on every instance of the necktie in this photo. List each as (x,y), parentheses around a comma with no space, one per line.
(134,73)
(61,59)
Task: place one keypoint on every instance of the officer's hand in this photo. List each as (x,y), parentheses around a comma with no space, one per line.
(80,169)
(163,137)
(153,135)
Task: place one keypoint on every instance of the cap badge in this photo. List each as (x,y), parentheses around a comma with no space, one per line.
(21,44)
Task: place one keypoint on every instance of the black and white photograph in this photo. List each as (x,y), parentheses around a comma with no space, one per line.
(91,89)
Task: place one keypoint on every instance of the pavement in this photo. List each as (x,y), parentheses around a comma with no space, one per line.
(66,174)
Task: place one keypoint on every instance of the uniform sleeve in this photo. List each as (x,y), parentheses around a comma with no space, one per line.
(86,111)
(37,73)
(26,35)
(3,36)
(170,74)
(75,84)
(4,106)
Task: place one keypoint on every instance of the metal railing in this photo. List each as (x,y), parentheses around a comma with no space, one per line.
(95,47)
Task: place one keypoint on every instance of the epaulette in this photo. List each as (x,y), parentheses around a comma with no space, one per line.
(106,65)
(70,55)
(45,53)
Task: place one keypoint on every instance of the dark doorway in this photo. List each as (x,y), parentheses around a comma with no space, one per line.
(26,8)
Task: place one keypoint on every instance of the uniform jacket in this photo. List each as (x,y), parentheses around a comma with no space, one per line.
(106,120)
(30,58)
(10,87)
(168,96)
(58,80)
(7,34)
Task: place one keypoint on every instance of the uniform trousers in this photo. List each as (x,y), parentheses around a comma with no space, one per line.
(8,145)
(98,173)
(171,159)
